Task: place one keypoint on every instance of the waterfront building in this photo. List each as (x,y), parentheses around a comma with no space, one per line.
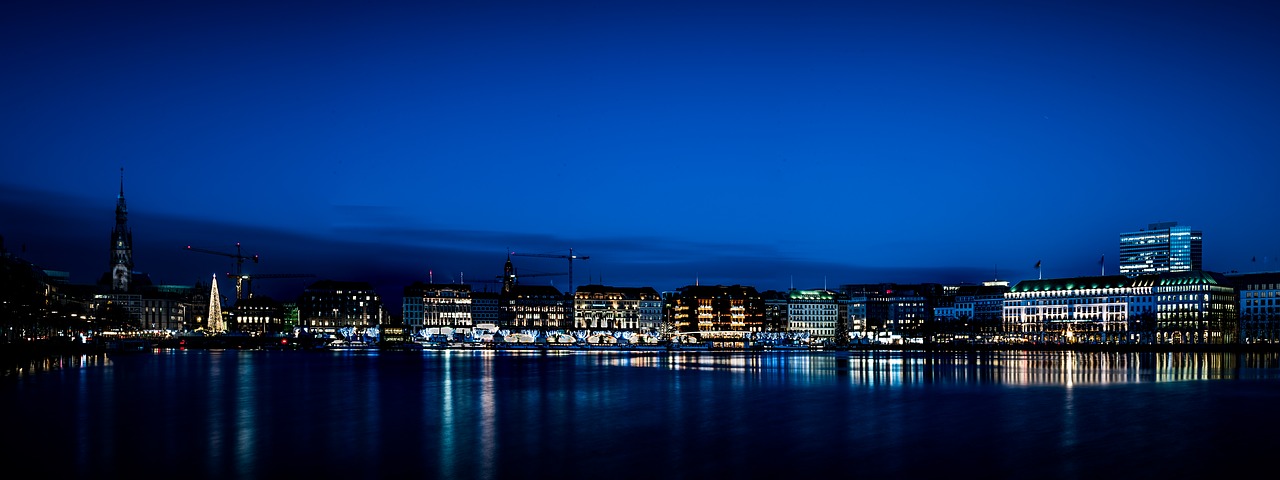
(969,313)
(1161,247)
(1097,309)
(327,305)
(901,309)
(168,308)
(258,314)
(108,305)
(815,312)
(1196,307)
(720,314)
(485,308)
(533,306)
(636,309)
(1259,307)
(436,305)
(775,310)
(856,314)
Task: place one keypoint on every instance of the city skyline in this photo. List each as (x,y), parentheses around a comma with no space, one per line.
(762,144)
(389,286)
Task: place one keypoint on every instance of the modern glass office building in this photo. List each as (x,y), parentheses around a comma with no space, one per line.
(1161,247)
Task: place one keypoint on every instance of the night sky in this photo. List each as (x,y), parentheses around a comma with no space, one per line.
(762,143)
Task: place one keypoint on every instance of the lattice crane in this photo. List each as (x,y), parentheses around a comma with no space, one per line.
(571,257)
(238,256)
(247,279)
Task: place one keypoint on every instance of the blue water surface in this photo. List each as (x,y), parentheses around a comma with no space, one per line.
(461,414)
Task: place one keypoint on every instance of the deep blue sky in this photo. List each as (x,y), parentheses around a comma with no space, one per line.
(734,142)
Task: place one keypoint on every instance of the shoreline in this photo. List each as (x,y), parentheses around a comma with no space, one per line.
(40,349)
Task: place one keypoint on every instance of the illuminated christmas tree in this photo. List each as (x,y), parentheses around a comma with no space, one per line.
(216,323)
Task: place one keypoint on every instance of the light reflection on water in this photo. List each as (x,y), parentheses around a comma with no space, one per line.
(644,414)
(1065,368)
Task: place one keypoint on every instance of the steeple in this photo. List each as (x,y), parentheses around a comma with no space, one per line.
(508,276)
(121,245)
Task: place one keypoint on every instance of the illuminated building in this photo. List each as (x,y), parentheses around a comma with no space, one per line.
(892,308)
(775,310)
(1173,307)
(169,308)
(617,308)
(815,312)
(1161,247)
(1099,309)
(437,305)
(1259,308)
(258,314)
(971,312)
(1196,307)
(717,308)
(532,306)
(328,305)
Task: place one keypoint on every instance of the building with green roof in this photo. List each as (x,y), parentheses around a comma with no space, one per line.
(1192,307)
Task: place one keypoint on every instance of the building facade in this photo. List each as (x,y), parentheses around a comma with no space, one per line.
(533,306)
(327,305)
(1194,307)
(436,305)
(258,314)
(717,308)
(1099,309)
(1161,247)
(901,309)
(815,312)
(486,308)
(1259,308)
(637,309)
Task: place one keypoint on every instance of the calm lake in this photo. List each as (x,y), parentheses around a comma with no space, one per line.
(459,414)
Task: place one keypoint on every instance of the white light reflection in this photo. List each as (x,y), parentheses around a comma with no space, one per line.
(246,418)
(488,420)
(896,369)
(448,450)
(214,399)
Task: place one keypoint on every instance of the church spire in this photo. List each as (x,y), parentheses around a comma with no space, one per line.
(508,275)
(121,245)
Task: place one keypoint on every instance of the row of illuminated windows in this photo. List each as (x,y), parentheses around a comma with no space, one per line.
(1252,294)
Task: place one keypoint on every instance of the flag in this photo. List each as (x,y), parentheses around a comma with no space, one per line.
(1037,264)
(1103,260)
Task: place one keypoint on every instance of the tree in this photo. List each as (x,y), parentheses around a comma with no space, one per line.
(842,333)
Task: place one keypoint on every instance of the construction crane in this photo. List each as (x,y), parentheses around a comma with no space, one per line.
(247,279)
(240,258)
(571,257)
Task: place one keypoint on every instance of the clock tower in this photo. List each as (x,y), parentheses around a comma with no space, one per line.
(121,245)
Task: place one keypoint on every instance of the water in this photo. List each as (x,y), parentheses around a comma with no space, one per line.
(259,414)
